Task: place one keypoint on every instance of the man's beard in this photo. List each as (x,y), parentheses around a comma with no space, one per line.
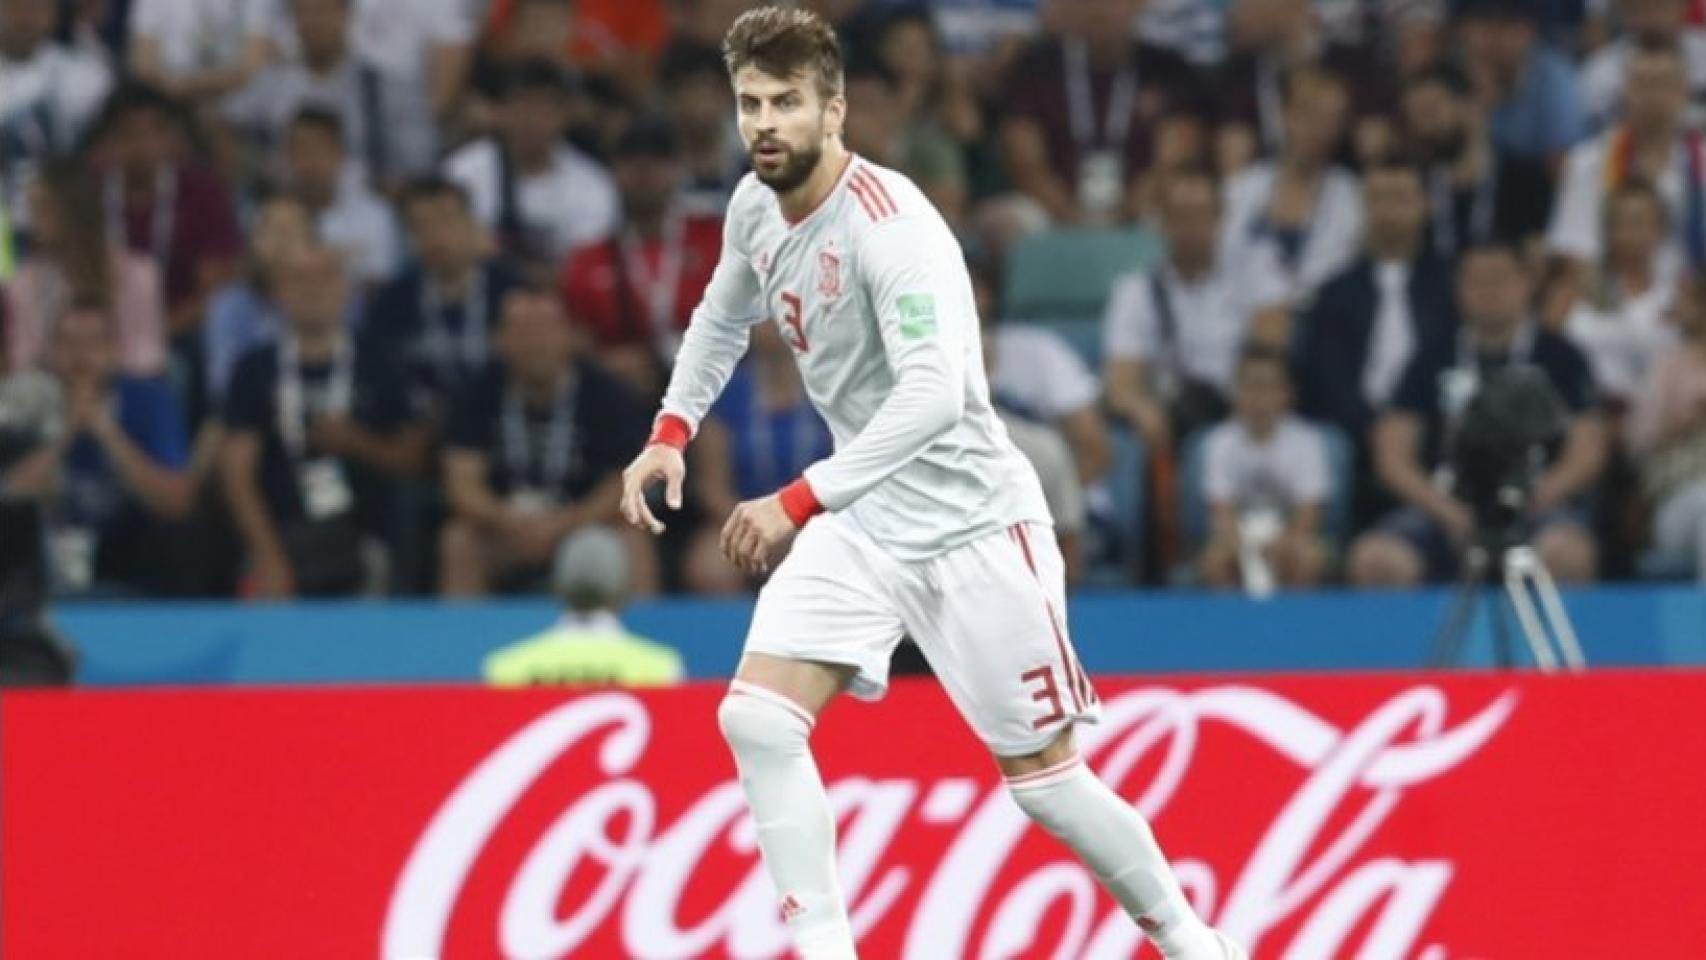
(793,172)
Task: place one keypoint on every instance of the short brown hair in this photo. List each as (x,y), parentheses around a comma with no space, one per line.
(782,42)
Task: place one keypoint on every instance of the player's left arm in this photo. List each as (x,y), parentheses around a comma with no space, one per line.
(917,288)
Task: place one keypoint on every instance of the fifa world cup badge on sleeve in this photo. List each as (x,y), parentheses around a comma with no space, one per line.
(917,315)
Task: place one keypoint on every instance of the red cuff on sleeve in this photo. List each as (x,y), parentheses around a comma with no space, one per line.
(671,430)
(799,502)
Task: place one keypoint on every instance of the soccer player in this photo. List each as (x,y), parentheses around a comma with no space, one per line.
(926,520)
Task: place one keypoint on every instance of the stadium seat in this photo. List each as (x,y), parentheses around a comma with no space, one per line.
(1117,509)
(1060,276)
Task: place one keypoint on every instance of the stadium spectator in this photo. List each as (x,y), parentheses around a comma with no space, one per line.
(328,75)
(1272,40)
(635,292)
(543,197)
(423,50)
(1654,143)
(1528,89)
(760,435)
(200,49)
(946,128)
(316,431)
(347,214)
(1172,332)
(1623,321)
(48,94)
(535,451)
(695,90)
(1045,443)
(438,313)
(1476,190)
(123,456)
(1666,432)
(882,129)
(1420,540)
(1299,207)
(1644,23)
(1368,321)
(164,203)
(244,314)
(1083,111)
(1035,373)
(1266,478)
(588,644)
(72,264)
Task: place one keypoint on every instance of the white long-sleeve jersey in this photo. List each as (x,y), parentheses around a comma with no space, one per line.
(871,291)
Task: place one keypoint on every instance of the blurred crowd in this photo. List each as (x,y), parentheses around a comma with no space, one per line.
(349,297)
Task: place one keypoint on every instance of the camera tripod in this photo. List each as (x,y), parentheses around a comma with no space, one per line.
(1528,588)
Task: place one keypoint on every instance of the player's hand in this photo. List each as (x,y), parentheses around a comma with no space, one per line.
(756,534)
(659,461)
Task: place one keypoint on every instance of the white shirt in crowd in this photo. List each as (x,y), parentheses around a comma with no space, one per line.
(871,292)
(196,35)
(1577,228)
(574,202)
(1392,342)
(266,106)
(1057,469)
(361,225)
(1623,339)
(45,102)
(1210,317)
(1037,371)
(1331,240)
(1602,77)
(1286,470)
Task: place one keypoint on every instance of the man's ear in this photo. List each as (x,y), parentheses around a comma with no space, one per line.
(835,114)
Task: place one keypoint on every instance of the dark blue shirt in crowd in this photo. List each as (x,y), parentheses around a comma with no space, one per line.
(379,402)
(1426,388)
(433,337)
(768,449)
(148,413)
(562,450)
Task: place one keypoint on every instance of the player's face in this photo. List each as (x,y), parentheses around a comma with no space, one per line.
(784,123)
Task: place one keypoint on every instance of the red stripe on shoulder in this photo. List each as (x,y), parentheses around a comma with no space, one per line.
(859,190)
(881,191)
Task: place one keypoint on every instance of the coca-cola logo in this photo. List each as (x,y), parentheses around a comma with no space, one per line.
(1309,870)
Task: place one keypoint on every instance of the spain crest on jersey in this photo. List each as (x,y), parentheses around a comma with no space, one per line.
(828,274)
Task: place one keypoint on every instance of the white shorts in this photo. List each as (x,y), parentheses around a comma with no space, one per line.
(988,616)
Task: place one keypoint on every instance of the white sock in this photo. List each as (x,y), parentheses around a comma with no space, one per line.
(796,827)
(1116,844)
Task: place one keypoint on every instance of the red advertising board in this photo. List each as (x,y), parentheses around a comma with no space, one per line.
(1418,816)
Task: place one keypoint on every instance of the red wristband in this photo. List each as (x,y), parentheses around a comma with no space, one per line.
(799,502)
(670,430)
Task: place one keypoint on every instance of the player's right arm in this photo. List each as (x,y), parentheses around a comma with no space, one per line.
(715,341)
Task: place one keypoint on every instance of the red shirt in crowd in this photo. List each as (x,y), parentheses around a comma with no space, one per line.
(647,308)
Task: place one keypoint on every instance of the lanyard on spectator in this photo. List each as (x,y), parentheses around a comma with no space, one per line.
(162,223)
(1122,101)
(293,405)
(660,288)
(559,437)
(440,343)
(1481,208)
(1270,106)
(761,439)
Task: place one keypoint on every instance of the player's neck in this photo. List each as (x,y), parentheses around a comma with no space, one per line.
(806,197)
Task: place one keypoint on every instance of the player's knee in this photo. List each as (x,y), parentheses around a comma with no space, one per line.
(758,726)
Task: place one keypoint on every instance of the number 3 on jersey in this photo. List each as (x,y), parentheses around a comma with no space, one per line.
(795,333)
